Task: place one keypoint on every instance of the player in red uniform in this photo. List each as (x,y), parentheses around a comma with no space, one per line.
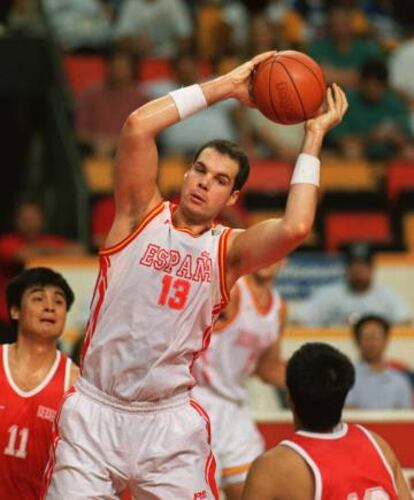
(34,375)
(325,459)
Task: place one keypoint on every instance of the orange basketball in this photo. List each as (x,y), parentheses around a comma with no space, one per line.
(289,88)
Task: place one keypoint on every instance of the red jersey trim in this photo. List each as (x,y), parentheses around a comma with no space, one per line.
(50,466)
(173,207)
(67,374)
(222,325)
(315,469)
(100,288)
(210,465)
(38,388)
(123,243)
(380,453)
(222,265)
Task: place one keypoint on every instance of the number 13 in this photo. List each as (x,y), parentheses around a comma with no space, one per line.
(177,298)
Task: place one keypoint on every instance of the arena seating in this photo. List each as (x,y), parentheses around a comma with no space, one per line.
(348,176)
(344,227)
(269,175)
(400,177)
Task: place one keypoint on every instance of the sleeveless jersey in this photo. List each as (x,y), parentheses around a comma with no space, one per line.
(157,296)
(26,420)
(347,464)
(236,345)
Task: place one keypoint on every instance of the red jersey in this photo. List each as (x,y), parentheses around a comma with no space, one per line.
(347,464)
(26,419)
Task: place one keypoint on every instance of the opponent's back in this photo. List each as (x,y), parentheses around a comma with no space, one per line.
(156,298)
(237,342)
(26,427)
(347,464)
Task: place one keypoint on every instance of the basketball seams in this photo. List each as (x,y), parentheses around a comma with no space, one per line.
(310,70)
(270,93)
(296,89)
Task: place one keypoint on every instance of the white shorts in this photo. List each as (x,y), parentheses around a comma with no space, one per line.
(235,440)
(158,451)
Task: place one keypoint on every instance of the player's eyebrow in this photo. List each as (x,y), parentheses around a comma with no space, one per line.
(36,289)
(222,174)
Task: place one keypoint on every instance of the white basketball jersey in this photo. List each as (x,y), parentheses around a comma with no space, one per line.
(237,345)
(157,296)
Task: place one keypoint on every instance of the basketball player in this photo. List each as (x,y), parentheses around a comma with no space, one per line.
(325,459)
(164,277)
(34,376)
(245,339)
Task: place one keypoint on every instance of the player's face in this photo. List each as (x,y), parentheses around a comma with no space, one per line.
(42,313)
(208,185)
(372,341)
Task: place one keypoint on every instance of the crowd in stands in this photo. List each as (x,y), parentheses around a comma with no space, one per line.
(118,54)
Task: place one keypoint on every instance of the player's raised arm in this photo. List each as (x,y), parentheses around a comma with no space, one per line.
(273,239)
(136,169)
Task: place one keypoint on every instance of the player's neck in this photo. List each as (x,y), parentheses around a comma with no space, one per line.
(33,353)
(181,220)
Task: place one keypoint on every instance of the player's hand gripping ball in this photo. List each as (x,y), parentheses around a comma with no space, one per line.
(289,87)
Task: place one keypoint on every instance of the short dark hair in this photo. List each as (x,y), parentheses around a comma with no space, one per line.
(319,378)
(235,153)
(358,252)
(359,324)
(42,276)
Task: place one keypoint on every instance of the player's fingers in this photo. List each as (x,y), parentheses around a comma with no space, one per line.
(340,99)
(344,101)
(330,102)
(264,56)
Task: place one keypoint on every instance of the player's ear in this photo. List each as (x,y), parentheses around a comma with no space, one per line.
(14,313)
(289,401)
(233,198)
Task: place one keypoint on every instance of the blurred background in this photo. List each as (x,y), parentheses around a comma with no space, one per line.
(72,71)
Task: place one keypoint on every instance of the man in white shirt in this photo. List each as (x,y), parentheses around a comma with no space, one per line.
(154,28)
(377,386)
(357,295)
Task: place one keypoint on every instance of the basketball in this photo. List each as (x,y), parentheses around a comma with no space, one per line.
(289,88)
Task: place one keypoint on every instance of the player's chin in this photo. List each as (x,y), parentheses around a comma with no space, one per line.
(200,213)
(50,331)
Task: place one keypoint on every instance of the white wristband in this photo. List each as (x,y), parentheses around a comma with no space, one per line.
(189,100)
(306,170)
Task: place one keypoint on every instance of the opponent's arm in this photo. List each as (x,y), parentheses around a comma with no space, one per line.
(136,167)
(401,484)
(273,239)
(269,367)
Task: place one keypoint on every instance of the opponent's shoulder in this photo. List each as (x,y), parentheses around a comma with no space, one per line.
(277,466)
